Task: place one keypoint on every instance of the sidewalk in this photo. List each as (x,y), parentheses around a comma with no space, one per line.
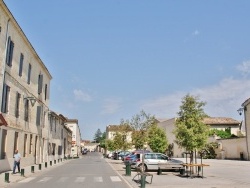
(27,172)
(220,174)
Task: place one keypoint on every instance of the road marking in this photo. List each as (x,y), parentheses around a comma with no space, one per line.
(115,178)
(63,179)
(98,179)
(80,179)
(27,180)
(45,179)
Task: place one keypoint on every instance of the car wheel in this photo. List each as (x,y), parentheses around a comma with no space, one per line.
(144,168)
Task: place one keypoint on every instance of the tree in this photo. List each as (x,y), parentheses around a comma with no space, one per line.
(191,133)
(110,145)
(102,141)
(98,136)
(140,124)
(157,139)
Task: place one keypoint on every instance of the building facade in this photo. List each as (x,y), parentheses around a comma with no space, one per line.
(26,122)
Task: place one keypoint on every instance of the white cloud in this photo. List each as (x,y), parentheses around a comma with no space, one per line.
(196,32)
(111,106)
(82,96)
(222,99)
(244,68)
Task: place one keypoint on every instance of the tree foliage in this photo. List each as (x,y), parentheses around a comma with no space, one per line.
(140,124)
(98,136)
(191,133)
(157,139)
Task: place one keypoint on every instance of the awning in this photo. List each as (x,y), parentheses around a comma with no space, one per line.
(2,121)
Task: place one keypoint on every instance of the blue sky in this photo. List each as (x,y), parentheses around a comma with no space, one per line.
(110,59)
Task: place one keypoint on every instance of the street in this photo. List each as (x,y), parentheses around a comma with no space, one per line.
(91,171)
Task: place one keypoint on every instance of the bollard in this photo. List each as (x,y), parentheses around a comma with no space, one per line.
(58,160)
(159,172)
(128,169)
(32,169)
(22,172)
(50,163)
(143,180)
(61,160)
(54,161)
(182,171)
(46,164)
(7,177)
(40,166)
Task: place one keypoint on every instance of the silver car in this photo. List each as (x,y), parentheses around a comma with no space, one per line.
(152,161)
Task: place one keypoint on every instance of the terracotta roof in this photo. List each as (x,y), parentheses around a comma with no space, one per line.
(220,121)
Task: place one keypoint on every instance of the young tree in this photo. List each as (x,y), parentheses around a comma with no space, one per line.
(157,139)
(98,136)
(191,133)
(140,124)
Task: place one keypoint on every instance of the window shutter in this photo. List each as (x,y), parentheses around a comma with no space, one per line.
(38,115)
(3,108)
(40,84)
(8,51)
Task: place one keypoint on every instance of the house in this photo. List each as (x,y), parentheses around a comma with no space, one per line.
(220,123)
(246,112)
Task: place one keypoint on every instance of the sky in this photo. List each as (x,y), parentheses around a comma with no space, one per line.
(110,59)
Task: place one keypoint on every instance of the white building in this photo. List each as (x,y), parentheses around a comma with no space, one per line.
(72,124)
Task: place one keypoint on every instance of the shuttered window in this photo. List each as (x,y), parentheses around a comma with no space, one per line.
(5,98)
(21,65)
(9,52)
(29,74)
(40,83)
(17,108)
(38,115)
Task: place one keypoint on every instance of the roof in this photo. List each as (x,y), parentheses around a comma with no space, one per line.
(220,121)
(114,128)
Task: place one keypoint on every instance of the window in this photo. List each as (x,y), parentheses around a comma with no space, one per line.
(26,110)
(9,52)
(21,65)
(30,151)
(3,140)
(5,99)
(45,92)
(25,145)
(40,83)
(15,142)
(29,74)
(17,108)
(38,115)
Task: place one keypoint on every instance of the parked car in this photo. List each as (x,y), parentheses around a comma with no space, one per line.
(84,151)
(151,161)
(122,154)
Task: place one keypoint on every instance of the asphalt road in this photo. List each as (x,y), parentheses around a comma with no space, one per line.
(90,171)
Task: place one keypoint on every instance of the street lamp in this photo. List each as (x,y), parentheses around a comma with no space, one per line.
(31,99)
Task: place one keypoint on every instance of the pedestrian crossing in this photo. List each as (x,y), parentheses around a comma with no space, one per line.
(97,179)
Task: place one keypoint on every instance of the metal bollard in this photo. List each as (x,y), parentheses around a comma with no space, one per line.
(32,169)
(159,172)
(40,166)
(46,164)
(143,180)
(50,163)
(7,177)
(54,161)
(22,172)
(58,160)
(128,169)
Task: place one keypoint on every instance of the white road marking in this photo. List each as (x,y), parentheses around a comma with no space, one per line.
(80,179)
(45,179)
(98,179)
(115,178)
(27,180)
(63,179)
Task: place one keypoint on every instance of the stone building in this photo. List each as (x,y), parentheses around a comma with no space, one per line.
(26,122)
(72,124)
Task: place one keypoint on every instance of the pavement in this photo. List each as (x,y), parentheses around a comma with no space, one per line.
(219,174)
(13,178)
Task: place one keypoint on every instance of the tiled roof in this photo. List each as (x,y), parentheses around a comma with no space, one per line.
(220,121)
